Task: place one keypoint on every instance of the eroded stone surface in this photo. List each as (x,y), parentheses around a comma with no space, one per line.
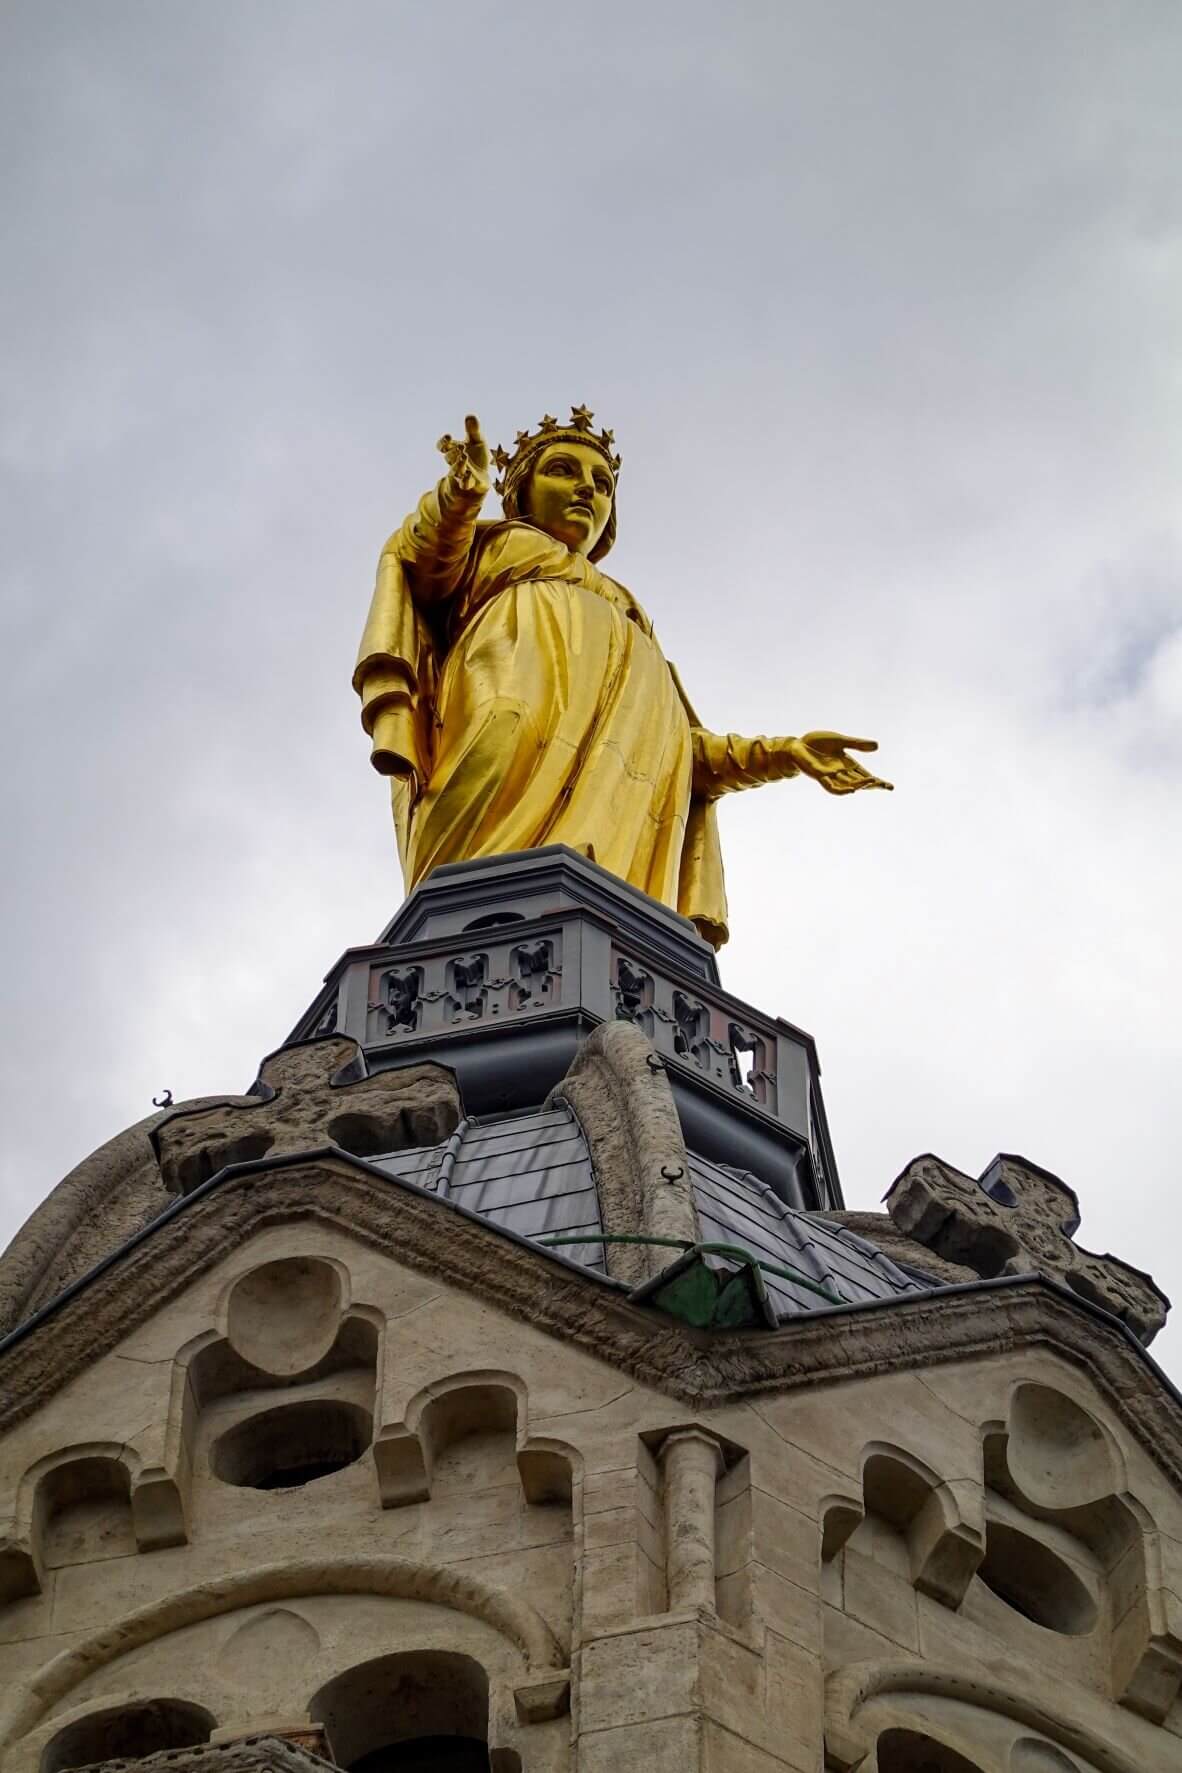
(880,1229)
(621,1098)
(305,1097)
(103,1201)
(1018,1219)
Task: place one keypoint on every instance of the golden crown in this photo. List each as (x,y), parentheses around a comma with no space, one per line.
(578,430)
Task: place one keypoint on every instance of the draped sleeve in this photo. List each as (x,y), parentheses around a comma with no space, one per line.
(724,762)
(397,664)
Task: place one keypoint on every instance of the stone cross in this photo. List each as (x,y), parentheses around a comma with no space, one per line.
(1018,1219)
(305,1097)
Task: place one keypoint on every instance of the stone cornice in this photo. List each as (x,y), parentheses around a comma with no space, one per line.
(433,1237)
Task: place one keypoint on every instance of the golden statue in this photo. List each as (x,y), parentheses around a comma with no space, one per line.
(516,696)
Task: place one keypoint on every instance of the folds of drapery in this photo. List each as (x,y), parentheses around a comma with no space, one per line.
(442,561)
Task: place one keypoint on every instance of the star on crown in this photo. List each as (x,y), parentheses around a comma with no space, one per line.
(577,430)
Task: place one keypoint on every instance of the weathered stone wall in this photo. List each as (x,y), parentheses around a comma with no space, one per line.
(599,1572)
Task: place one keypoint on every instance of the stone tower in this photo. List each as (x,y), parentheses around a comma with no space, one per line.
(500,1384)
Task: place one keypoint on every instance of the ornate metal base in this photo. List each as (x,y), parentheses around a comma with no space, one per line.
(501,968)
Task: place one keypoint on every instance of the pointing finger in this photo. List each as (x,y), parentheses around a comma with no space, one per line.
(472,427)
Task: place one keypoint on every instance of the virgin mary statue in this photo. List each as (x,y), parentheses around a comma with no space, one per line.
(517,696)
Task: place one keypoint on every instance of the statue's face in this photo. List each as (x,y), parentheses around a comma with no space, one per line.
(570,495)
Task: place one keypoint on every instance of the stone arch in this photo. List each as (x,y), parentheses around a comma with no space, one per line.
(39,1479)
(938,1523)
(487,1408)
(82,1510)
(435,1697)
(484,1404)
(126,1731)
(505,1612)
(979,1718)
(83,1491)
(914,1751)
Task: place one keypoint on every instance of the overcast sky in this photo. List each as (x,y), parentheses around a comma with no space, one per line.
(884,304)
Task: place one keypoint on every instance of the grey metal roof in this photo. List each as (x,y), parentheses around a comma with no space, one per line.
(531,1173)
(735,1207)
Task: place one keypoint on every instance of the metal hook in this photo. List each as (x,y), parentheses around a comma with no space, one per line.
(163,1100)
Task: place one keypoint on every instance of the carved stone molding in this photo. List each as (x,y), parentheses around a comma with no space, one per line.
(303,1095)
(1019,1219)
(620,1095)
(417,1230)
(1082,1723)
(398,1578)
(103,1201)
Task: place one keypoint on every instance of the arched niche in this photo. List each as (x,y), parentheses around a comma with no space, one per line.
(906,1519)
(263,1642)
(469,1432)
(82,1510)
(469,1436)
(418,1709)
(126,1733)
(911,1751)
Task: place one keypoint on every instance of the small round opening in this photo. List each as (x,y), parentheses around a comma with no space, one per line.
(294,1444)
(1029,1577)
(418,1711)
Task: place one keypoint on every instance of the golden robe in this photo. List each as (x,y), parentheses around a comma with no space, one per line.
(517,696)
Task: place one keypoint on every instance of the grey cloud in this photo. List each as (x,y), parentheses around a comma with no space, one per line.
(882,303)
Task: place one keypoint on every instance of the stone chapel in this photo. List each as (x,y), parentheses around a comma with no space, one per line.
(501,1386)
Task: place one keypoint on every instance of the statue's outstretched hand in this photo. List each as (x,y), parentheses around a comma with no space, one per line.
(467,457)
(823,757)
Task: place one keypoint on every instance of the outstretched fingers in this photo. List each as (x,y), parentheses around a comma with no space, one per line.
(828,744)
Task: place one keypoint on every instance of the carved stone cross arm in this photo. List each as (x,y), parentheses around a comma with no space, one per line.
(306,1096)
(1019,1219)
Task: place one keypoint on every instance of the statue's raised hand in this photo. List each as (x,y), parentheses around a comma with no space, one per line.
(823,757)
(467,457)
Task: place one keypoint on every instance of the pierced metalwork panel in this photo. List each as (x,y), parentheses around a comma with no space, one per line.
(502,977)
(704,1029)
